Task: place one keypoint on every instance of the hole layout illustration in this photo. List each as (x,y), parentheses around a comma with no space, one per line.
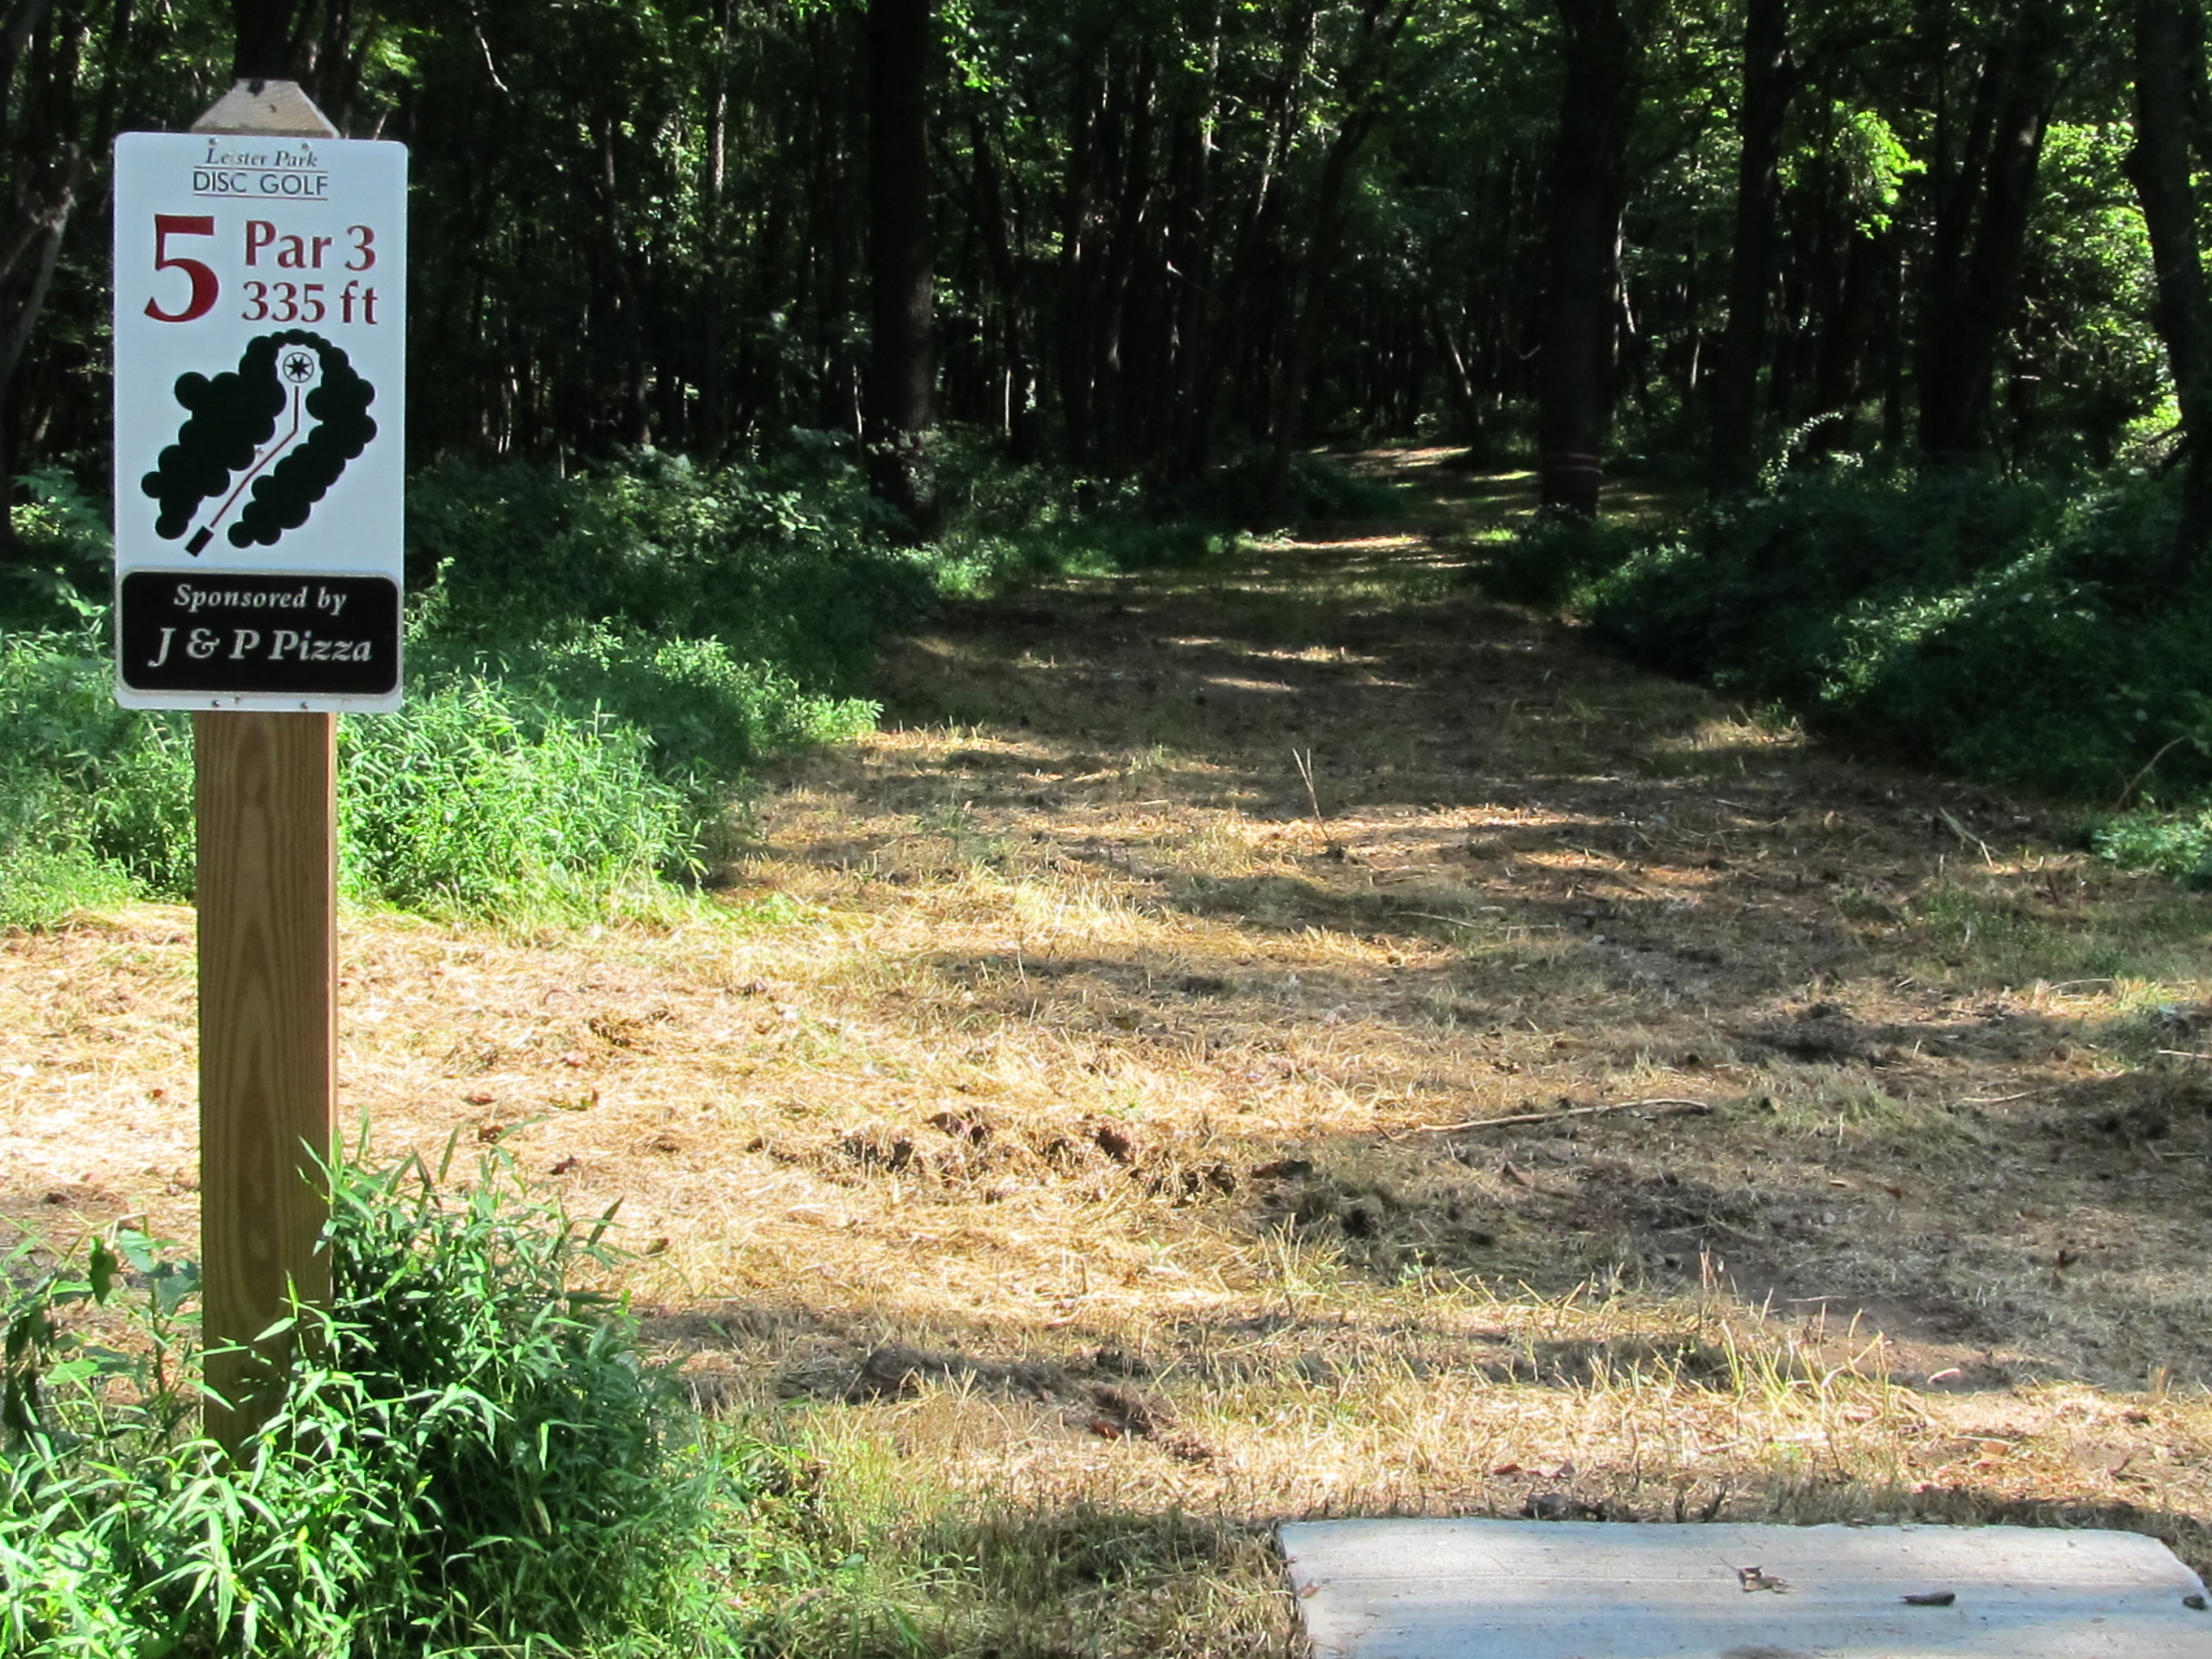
(281,426)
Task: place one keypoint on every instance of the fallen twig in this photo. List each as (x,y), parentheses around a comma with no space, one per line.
(1966,836)
(1662,1104)
(2121,804)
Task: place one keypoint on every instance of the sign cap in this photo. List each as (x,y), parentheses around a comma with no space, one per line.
(278,108)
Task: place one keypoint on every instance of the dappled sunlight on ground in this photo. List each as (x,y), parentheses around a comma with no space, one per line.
(1081,1082)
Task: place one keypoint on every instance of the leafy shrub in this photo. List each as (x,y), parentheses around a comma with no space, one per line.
(2179,845)
(1553,560)
(473,1455)
(59,576)
(1008,523)
(792,577)
(1996,627)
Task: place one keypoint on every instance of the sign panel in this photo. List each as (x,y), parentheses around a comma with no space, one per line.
(260,348)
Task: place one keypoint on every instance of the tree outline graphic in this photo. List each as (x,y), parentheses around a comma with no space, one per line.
(231,428)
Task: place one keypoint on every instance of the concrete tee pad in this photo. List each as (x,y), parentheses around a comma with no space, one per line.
(1542,1589)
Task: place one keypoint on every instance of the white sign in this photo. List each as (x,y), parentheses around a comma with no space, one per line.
(260,352)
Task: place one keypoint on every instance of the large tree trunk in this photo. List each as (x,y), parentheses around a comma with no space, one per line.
(2172,103)
(1768,84)
(1588,190)
(1847,330)
(1078,261)
(902,273)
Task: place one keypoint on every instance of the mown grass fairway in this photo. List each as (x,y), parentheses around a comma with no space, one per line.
(1067,1127)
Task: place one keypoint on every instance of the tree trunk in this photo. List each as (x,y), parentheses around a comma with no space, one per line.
(901,274)
(1246,271)
(998,233)
(266,39)
(1977,295)
(1588,190)
(1078,260)
(1846,332)
(2171,99)
(46,169)
(1378,34)
(1306,328)
(1768,84)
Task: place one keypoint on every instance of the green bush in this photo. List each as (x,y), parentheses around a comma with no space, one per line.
(1006,523)
(59,576)
(783,570)
(1995,626)
(473,1455)
(1554,561)
(2176,844)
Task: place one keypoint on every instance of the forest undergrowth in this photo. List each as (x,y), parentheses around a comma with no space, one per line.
(1076,1131)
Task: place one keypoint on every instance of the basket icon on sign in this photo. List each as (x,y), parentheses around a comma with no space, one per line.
(282,425)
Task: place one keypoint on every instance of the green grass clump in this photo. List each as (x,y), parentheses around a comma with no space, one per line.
(94,800)
(472,1455)
(2174,844)
(704,710)
(784,565)
(478,799)
(1999,628)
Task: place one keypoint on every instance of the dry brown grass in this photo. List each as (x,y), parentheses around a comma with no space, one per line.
(1037,1133)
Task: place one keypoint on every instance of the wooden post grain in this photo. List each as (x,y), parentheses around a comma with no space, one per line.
(266,797)
(267,803)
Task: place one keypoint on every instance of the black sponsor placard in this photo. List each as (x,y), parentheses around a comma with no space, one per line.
(243,635)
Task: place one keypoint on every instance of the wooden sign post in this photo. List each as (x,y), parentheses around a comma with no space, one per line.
(266,795)
(260,308)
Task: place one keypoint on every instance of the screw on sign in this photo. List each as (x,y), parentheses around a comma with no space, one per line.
(261,316)
(260,323)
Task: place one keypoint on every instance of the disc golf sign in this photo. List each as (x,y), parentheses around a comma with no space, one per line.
(260,333)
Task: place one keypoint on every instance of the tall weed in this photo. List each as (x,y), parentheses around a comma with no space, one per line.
(95,800)
(477,798)
(472,1455)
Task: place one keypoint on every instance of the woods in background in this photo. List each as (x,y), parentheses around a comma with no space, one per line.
(1138,236)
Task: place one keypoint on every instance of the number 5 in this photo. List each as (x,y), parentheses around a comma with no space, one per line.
(204,287)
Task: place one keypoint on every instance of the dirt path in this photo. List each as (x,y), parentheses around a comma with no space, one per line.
(1538,880)
(1059,1102)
